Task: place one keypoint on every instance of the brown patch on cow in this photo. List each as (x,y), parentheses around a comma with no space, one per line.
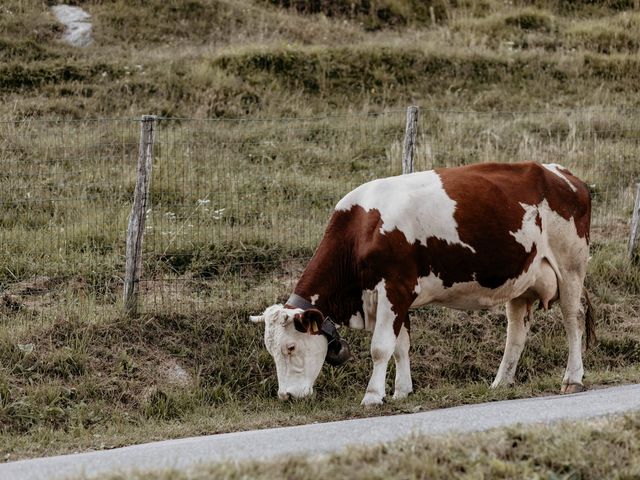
(354,255)
(481,189)
(488,198)
(332,272)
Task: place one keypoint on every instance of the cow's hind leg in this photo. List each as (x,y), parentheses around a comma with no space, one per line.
(383,344)
(570,292)
(403,384)
(517,328)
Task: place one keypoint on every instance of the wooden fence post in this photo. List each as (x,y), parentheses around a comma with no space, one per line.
(135,231)
(410,140)
(635,220)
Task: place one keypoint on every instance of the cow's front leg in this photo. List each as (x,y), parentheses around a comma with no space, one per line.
(403,385)
(383,343)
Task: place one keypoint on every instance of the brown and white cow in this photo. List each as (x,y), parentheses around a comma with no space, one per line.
(467,238)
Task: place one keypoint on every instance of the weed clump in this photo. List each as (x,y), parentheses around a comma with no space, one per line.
(16,77)
(159,404)
(373,14)
(530,20)
(581,7)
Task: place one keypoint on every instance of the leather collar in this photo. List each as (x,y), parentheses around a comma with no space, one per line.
(297,301)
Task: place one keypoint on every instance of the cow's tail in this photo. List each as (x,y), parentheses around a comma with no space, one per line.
(589,321)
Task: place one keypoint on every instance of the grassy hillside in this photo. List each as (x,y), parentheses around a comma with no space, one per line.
(74,373)
(228,58)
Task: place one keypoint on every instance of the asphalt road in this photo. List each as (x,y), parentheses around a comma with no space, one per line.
(316,439)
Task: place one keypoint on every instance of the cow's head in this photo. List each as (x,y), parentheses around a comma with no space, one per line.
(299,342)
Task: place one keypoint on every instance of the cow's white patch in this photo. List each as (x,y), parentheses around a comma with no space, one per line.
(369,305)
(529,232)
(554,168)
(428,289)
(466,295)
(314,299)
(416,204)
(384,304)
(470,295)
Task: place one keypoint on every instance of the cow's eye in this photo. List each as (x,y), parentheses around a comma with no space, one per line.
(290,348)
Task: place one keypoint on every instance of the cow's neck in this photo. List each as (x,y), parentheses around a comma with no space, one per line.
(329,281)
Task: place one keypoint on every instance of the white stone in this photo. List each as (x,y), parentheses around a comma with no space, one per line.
(78,32)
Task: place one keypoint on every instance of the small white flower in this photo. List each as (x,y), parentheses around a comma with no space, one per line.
(25,348)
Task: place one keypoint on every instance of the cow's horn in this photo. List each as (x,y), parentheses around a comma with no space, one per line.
(338,352)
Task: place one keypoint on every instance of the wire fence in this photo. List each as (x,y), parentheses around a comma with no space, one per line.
(65,194)
(237,206)
(599,146)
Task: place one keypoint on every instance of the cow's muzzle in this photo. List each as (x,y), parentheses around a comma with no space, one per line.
(295,394)
(338,351)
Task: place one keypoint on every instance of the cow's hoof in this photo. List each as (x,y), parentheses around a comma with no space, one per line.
(371,400)
(401,395)
(572,388)
(502,383)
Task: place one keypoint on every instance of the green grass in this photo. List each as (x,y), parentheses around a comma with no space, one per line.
(238,204)
(600,448)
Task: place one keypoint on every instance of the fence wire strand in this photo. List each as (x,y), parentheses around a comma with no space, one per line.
(237,206)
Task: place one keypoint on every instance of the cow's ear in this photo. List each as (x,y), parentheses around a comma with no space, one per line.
(309,321)
(256,318)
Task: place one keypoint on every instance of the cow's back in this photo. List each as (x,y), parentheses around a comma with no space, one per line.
(485,226)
